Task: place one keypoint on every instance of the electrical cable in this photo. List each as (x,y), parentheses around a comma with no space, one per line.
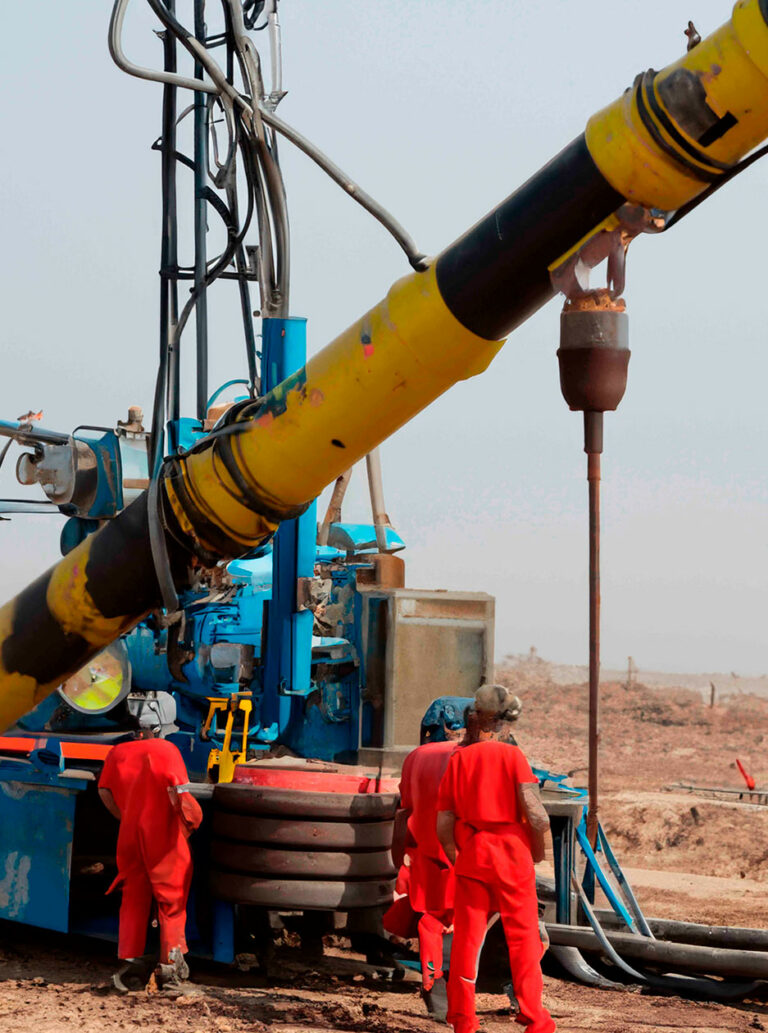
(742,166)
(416,258)
(218,266)
(251,13)
(273,180)
(159,548)
(161,381)
(262,174)
(274,301)
(220,85)
(4,453)
(114,42)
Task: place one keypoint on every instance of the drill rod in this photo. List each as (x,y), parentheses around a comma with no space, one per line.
(593,477)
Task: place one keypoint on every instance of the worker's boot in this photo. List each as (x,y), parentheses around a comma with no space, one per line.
(173,975)
(509,990)
(436,1000)
(134,975)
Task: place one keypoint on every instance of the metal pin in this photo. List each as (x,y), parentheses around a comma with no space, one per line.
(693,37)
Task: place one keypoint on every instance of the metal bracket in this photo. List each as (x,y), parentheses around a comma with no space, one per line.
(609,241)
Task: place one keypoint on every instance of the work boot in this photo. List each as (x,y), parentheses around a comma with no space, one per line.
(509,990)
(134,975)
(436,1000)
(379,953)
(173,975)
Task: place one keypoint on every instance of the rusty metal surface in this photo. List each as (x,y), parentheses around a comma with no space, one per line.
(593,476)
(753,797)
(593,358)
(610,241)
(594,351)
(333,513)
(693,36)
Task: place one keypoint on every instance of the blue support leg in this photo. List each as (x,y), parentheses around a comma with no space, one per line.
(289,633)
(223,932)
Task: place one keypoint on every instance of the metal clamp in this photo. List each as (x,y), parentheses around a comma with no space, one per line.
(610,240)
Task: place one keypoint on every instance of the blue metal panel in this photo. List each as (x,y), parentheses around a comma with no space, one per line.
(284,349)
(75,531)
(302,623)
(109,479)
(36,853)
(329,729)
(361,538)
(289,633)
(256,572)
(183,434)
(194,752)
(223,947)
(146,651)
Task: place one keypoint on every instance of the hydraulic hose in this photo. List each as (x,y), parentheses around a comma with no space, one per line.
(659,145)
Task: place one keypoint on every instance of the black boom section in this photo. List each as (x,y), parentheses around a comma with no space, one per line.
(496,275)
(37,647)
(121,589)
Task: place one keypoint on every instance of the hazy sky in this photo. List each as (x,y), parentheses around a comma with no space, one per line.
(440,109)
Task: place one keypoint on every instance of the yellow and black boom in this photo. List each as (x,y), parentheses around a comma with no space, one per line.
(662,143)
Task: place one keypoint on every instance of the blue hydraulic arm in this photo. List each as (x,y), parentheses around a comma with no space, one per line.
(289,632)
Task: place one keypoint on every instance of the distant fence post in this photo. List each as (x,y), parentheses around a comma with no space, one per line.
(631,672)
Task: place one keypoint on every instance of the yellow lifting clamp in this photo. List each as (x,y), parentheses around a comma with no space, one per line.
(225,759)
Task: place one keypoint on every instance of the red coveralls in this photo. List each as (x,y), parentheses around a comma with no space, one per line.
(494,872)
(429,878)
(153,857)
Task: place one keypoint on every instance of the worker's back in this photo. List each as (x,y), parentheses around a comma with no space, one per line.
(484,779)
(480,787)
(423,771)
(138,774)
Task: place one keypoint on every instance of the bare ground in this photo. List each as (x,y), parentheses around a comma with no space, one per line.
(687,858)
(54,987)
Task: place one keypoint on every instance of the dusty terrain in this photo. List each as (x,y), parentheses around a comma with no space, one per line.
(652,739)
(50,988)
(725,683)
(687,858)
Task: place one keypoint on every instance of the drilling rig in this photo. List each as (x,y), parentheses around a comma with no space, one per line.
(282,654)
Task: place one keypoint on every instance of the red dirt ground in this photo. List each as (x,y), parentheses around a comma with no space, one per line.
(687,857)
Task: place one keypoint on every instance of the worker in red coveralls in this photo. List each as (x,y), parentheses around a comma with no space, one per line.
(491,825)
(139,786)
(428,877)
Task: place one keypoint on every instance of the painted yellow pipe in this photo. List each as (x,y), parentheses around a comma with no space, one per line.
(660,145)
(364,385)
(662,142)
(371,380)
